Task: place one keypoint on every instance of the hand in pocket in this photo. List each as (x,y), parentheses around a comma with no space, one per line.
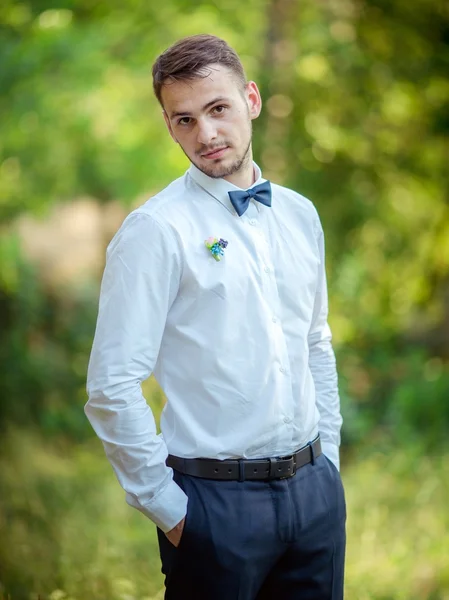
(175,534)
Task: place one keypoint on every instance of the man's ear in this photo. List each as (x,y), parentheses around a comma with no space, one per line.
(253,99)
(169,127)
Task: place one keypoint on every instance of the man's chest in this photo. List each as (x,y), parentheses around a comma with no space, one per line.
(265,259)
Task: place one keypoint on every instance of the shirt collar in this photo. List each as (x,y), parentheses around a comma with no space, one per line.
(219,188)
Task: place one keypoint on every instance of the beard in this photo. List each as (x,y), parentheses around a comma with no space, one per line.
(215,169)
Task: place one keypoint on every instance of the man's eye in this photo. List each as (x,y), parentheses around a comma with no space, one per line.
(218,110)
(184,121)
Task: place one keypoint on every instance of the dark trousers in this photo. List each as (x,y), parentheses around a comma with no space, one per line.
(260,540)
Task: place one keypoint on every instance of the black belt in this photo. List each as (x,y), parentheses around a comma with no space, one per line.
(242,469)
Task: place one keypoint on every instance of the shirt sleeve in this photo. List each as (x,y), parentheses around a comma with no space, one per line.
(139,285)
(323,365)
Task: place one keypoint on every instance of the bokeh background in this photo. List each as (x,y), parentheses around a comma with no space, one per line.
(356,117)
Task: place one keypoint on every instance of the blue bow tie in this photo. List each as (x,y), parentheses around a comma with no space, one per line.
(261,193)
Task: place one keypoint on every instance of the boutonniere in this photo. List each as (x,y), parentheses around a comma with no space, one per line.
(216,247)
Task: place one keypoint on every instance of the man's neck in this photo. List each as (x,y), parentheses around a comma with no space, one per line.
(244,177)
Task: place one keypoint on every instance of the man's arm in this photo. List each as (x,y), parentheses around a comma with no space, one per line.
(140,283)
(322,364)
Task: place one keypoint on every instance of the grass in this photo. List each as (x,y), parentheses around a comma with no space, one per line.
(398,527)
(67,534)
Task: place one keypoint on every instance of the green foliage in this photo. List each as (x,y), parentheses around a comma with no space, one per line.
(77,112)
(68,535)
(398,525)
(66,526)
(356,117)
(351,91)
(399,390)
(43,355)
(64,523)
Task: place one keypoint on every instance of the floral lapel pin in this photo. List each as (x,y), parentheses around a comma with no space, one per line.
(216,247)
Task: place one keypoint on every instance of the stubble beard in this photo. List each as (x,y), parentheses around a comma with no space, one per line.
(217,171)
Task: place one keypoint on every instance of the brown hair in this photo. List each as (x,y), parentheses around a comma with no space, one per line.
(189,58)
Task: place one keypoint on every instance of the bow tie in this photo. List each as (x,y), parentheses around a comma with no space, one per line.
(261,193)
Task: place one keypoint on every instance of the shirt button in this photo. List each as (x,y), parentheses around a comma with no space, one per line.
(267,269)
(274,320)
(281,369)
(252,222)
(287,420)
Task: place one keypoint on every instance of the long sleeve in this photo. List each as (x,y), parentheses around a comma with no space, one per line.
(323,366)
(139,285)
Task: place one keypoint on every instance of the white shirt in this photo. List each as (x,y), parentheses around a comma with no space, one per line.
(241,347)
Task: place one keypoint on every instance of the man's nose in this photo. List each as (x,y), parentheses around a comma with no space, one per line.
(207,131)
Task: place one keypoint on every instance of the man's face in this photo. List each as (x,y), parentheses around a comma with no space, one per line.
(210,117)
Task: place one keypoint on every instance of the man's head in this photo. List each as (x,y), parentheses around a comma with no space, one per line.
(208,104)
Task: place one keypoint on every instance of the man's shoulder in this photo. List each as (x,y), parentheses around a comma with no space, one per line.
(165,202)
(294,200)
(149,220)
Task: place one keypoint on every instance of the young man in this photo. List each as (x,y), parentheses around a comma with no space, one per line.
(217,285)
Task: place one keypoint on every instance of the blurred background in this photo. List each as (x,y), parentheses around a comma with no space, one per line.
(356,117)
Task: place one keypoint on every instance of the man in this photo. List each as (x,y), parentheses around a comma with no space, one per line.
(217,285)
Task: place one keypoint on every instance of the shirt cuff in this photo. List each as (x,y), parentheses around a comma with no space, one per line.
(332,452)
(167,509)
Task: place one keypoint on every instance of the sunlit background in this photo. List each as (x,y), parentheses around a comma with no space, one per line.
(356,117)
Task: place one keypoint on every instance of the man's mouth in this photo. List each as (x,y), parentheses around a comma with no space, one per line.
(215,153)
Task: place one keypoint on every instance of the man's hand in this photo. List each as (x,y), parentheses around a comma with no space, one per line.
(174,535)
